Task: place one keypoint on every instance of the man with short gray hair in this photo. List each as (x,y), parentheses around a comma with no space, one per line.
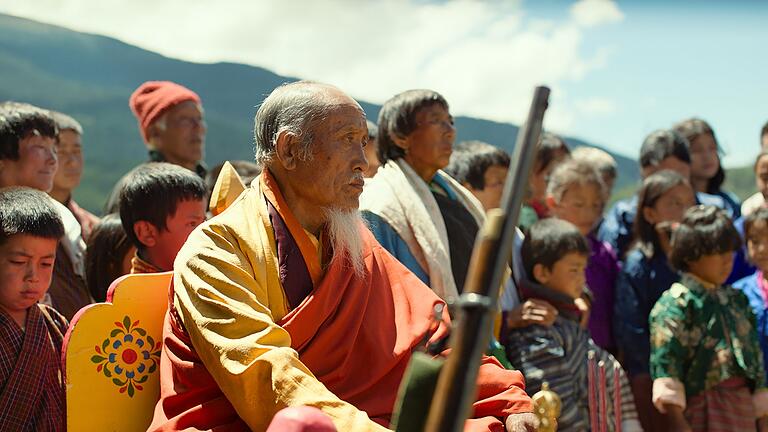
(285,299)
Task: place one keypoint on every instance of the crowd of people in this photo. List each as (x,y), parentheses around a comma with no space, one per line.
(298,303)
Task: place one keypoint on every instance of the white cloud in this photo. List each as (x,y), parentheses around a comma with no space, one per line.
(485,57)
(595,106)
(591,13)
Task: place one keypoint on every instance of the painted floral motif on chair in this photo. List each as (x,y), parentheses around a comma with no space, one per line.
(128,356)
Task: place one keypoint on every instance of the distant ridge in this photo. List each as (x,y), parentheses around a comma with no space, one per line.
(91,77)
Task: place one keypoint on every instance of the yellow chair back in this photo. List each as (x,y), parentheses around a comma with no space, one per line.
(112,355)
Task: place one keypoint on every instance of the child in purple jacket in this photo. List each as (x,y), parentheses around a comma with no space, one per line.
(576,193)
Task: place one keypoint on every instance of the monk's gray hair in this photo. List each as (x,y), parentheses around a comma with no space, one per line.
(291,108)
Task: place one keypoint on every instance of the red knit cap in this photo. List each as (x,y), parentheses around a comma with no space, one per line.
(152,98)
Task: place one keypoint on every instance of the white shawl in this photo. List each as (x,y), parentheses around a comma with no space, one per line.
(402,199)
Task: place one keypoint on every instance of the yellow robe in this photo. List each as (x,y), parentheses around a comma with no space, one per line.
(229,297)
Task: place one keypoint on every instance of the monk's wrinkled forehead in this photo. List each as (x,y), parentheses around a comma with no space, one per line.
(336,99)
(325,94)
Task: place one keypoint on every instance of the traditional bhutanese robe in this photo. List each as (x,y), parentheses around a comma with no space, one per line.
(31,382)
(257,324)
(557,354)
(703,346)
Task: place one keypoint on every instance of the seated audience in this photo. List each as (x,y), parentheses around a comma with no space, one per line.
(555,255)
(706,361)
(707,174)
(576,194)
(285,299)
(160,204)
(108,255)
(550,152)
(661,149)
(482,169)
(70,170)
(28,146)
(756,286)
(31,373)
(662,200)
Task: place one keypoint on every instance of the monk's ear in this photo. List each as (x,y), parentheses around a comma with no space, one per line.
(541,274)
(146,233)
(287,149)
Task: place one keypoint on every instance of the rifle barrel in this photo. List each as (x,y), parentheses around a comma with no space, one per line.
(456,385)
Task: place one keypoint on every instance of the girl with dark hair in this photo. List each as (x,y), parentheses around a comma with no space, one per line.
(707,174)
(706,360)
(662,200)
(108,256)
(756,286)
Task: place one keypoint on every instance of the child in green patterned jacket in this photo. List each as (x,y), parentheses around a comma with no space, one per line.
(706,361)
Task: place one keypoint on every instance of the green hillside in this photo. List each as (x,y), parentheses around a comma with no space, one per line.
(91,77)
(741,181)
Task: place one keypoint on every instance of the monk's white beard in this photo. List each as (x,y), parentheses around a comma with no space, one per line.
(344,234)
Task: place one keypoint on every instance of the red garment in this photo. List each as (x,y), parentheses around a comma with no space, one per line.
(540,207)
(355,334)
(152,98)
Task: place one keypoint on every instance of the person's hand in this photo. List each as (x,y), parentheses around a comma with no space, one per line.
(523,422)
(584,307)
(532,312)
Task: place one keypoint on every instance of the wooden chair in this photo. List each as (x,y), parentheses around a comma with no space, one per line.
(111,356)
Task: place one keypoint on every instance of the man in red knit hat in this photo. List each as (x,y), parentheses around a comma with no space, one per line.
(171,123)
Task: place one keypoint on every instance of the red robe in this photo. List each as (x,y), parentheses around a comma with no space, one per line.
(355,335)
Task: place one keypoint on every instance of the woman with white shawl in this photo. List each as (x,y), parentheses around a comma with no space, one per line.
(422,216)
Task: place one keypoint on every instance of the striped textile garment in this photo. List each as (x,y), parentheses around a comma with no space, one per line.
(31,382)
(725,408)
(558,355)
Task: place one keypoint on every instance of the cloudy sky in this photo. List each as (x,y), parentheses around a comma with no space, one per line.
(618,70)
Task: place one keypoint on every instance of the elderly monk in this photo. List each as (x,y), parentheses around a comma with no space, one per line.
(285,299)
